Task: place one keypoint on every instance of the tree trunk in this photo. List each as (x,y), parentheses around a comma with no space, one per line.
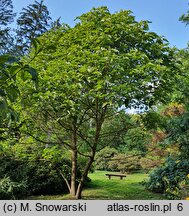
(91,160)
(99,119)
(83,178)
(73,173)
(74,162)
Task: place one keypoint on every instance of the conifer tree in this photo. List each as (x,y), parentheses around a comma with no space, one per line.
(6,17)
(33,21)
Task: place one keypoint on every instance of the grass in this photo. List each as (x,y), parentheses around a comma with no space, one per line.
(130,188)
(101,188)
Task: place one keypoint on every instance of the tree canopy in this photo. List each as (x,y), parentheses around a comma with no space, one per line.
(87,74)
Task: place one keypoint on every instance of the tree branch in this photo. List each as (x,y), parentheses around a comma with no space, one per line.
(65,179)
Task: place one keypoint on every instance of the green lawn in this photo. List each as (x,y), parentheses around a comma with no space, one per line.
(100,187)
(130,188)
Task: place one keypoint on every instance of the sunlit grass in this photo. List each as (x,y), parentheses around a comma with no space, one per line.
(100,187)
(130,188)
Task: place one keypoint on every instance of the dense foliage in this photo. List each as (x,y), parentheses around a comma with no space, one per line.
(64,103)
(85,76)
(170,179)
(30,170)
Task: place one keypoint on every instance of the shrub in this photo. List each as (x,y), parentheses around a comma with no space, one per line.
(10,189)
(124,163)
(111,160)
(148,163)
(102,158)
(41,177)
(184,185)
(39,170)
(168,178)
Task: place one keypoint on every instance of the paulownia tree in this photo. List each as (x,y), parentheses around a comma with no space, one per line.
(87,74)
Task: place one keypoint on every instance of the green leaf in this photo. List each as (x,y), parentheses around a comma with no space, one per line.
(12,92)
(2,93)
(33,73)
(36,44)
(3,105)
(24,75)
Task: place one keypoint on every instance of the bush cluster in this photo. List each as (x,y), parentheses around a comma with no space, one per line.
(169,178)
(33,174)
(111,160)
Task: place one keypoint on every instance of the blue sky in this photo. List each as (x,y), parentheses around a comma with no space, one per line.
(163,14)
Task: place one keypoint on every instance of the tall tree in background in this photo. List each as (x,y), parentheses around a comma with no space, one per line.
(32,22)
(6,17)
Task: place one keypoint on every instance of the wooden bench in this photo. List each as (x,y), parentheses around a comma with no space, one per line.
(117,175)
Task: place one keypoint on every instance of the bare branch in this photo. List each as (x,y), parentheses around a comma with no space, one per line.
(65,179)
(85,155)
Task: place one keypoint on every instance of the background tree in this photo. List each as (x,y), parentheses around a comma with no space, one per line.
(171,177)
(185,18)
(33,21)
(6,17)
